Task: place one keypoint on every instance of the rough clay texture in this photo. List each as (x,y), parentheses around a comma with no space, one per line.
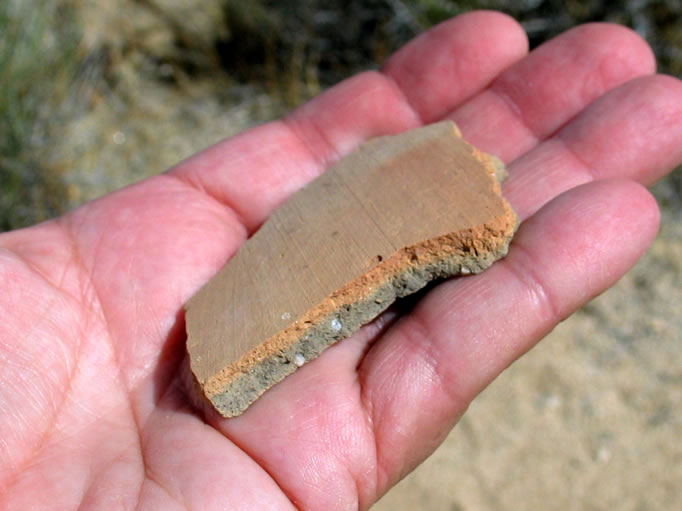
(351,307)
(233,387)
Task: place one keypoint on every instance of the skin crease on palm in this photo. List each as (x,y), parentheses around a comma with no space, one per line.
(93,412)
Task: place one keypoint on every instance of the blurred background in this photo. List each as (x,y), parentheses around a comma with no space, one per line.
(96,94)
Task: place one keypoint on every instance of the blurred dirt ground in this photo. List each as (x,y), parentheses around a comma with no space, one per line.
(122,89)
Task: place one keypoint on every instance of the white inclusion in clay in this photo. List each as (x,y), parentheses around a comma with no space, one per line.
(336,325)
(299,360)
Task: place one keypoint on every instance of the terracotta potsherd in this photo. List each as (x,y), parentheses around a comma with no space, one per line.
(397,213)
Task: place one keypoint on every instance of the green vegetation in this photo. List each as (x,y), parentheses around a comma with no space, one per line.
(36,58)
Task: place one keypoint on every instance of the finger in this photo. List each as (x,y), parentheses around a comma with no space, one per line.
(634,131)
(534,97)
(254,172)
(192,463)
(451,62)
(420,377)
(322,451)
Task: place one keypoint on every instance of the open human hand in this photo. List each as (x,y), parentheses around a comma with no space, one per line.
(93,411)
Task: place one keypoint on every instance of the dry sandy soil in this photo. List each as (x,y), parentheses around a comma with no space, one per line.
(590,419)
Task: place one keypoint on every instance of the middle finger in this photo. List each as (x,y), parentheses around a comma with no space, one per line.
(537,95)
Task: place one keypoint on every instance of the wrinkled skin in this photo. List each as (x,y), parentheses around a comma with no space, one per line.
(93,414)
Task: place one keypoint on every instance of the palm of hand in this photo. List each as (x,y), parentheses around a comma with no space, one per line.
(93,412)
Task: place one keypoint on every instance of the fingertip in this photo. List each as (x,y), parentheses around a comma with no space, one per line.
(630,50)
(452,61)
(633,131)
(663,95)
(500,22)
(638,208)
(610,224)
